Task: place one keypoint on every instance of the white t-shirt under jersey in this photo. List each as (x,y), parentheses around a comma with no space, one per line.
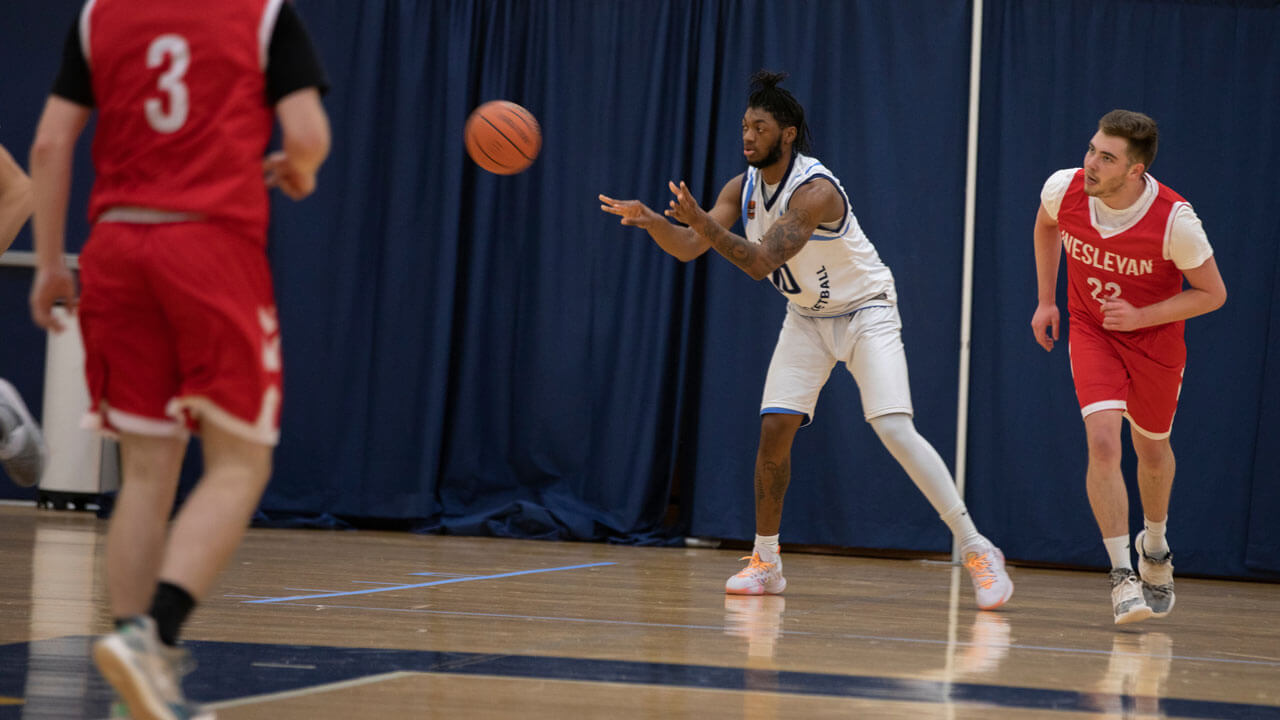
(1186,243)
(838,270)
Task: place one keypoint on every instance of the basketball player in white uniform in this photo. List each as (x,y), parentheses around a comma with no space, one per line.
(801,234)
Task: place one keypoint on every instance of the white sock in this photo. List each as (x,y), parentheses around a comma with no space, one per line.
(962,528)
(1154,543)
(767,548)
(1118,549)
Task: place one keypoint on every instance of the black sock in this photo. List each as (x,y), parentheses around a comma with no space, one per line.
(170,609)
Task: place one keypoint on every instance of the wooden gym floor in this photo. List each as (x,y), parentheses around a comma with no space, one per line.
(319,624)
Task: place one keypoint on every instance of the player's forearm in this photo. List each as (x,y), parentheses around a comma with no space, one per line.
(679,242)
(307,152)
(50,187)
(1187,304)
(304,129)
(1048,255)
(15,208)
(748,256)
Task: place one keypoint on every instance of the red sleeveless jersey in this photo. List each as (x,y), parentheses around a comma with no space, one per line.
(1129,265)
(183,121)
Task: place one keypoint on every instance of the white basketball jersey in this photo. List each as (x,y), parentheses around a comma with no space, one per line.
(838,270)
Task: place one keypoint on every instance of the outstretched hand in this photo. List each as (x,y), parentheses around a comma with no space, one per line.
(685,208)
(632,212)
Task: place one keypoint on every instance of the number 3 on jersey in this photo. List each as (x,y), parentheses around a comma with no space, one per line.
(174,50)
(1112,290)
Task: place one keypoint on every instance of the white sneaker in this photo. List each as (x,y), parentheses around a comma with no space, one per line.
(146,673)
(757,578)
(985,563)
(22,449)
(1126,597)
(1157,579)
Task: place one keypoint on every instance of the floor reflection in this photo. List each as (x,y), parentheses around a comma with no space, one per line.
(1135,677)
(757,618)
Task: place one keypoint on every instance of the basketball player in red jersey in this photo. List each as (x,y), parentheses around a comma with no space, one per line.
(1130,242)
(176,304)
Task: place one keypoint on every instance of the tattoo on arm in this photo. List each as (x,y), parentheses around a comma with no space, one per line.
(735,248)
(788,235)
(782,241)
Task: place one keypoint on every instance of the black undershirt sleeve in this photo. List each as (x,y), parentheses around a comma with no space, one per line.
(73,81)
(292,63)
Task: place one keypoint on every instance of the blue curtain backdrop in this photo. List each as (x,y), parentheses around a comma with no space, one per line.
(477,354)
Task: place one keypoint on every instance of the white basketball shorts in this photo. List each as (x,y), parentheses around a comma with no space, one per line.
(868,341)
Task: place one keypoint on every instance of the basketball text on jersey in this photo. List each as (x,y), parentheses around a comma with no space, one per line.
(1104,259)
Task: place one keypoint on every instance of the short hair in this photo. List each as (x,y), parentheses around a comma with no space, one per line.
(1140,130)
(781,104)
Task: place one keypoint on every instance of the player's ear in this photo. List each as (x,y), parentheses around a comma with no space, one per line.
(789,134)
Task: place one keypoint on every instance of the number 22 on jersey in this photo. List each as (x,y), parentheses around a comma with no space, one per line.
(1111,290)
(167,115)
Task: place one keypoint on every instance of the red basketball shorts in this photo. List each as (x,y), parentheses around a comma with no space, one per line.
(1137,372)
(179,325)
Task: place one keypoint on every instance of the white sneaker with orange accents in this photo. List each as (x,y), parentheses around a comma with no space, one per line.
(757,578)
(985,563)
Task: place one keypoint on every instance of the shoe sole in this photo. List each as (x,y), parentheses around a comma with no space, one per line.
(1135,615)
(10,394)
(757,590)
(112,662)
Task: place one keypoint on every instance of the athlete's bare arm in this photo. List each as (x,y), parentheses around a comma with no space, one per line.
(1206,294)
(681,243)
(15,199)
(51,155)
(811,205)
(304,126)
(1048,256)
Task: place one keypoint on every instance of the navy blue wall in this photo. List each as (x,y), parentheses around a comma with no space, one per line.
(478,354)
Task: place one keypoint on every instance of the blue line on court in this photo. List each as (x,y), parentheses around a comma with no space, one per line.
(428,584)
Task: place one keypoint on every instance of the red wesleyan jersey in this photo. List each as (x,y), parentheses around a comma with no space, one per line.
(1129,265)
(183,120)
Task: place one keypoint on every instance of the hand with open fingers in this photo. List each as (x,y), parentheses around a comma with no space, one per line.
(631,212)
(50,286)
(684,208)
(277,171)
(1045,325)
(1120,315)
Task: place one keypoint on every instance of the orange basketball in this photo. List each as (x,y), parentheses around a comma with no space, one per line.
(502,137)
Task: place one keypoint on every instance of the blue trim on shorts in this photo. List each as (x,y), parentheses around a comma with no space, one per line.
(786,411)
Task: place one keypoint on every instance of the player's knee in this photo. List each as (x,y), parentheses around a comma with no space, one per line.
(1154,455)
(1104,449)
(895,430)
(777,430)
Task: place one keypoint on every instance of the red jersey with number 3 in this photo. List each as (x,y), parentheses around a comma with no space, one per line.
(183,120)
(1129,264)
